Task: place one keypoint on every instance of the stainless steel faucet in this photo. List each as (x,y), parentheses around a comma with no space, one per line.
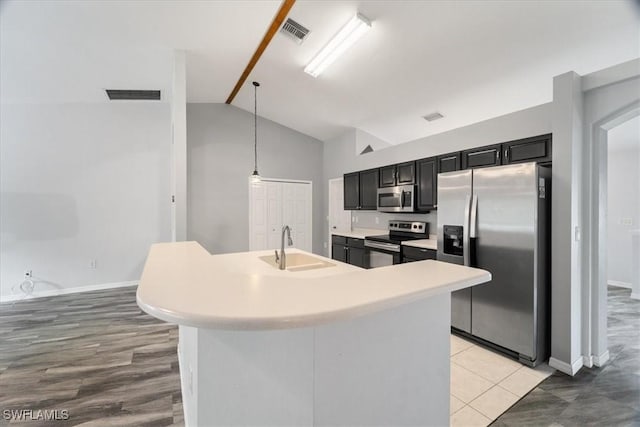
(283,256)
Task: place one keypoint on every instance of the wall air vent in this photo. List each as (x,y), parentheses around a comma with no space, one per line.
(294,30)
(133,95)
(433,116)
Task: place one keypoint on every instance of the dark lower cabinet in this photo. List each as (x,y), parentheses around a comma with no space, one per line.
(361,190)
(349,250)
(481,157)
(449,162)
(410,254)
(537,148)
(427,188)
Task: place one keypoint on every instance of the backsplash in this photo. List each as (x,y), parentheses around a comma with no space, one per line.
(380,220)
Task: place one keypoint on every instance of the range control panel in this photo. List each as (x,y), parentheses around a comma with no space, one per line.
(409,226)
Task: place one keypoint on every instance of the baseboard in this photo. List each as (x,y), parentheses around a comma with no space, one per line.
(569,369)
(619,284)
(54,292)
(599,361)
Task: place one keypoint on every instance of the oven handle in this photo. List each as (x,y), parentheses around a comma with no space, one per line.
(384,246)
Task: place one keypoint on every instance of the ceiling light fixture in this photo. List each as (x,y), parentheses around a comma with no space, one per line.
(255,176)
(347,36)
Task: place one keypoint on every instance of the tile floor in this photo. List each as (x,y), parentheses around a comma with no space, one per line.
(484,384)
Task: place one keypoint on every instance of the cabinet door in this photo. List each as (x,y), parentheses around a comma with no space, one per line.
(482,157)
(449,162)
(535,149)
(427,184)
(357,257)
(352,191)
(406,173)
(388,176)
(339,253)
(369,189)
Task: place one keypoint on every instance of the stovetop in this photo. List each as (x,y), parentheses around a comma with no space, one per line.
(401,231)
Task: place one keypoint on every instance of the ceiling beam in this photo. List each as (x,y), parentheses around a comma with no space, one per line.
(275,25)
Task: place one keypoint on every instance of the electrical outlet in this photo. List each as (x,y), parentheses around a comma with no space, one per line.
(93,264)
(577,234)
(324,244)
(377,220)
(626,221)
(190,381)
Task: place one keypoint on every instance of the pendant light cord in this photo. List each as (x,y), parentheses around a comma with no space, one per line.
(255,126)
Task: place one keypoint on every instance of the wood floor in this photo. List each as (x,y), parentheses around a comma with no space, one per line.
(98,356)
(607,396)
(94,354)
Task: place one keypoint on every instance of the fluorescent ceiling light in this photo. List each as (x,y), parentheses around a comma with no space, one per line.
(340,43)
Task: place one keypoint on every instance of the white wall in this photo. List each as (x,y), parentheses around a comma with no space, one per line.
(220,159)
(81,182)
(340,156)
(623,202)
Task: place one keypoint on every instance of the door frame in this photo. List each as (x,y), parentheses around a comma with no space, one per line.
(596,291)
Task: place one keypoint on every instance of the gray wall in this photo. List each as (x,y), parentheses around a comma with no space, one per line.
(219,162)
(623,202)
(81,182)
(340,154)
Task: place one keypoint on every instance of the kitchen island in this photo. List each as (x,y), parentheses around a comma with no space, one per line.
(323,343)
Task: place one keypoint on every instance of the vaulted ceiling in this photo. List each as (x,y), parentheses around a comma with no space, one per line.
(469,60)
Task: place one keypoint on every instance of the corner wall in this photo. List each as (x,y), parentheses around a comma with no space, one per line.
(219,161)
(81,182)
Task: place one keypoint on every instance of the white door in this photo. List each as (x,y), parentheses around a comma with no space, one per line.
(274,204)
(339,219)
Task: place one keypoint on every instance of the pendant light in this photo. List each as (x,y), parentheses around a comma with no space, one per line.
(255,176)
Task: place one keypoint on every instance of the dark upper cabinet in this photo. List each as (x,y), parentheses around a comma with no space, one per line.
(400,174)
(537,148)
(352,191)
(388,176)
(361,190)
(406,173)
(369,189)
(482,157)
(427,178)
(449,162)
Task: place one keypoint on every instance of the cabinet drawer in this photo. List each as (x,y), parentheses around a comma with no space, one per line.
(418,253)
(355,243)
(338,240)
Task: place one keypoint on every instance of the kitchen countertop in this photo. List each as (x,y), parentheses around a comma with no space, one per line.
(422,243)
(182,283)
(360,233)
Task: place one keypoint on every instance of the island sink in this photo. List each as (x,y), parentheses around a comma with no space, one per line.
(298,262)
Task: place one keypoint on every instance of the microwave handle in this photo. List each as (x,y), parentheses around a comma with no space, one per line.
(401,199)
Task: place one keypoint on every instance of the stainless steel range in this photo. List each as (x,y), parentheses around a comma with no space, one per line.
(386,249)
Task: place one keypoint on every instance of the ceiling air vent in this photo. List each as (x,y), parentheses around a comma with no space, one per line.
(133,95)
(294,30)
(433,116)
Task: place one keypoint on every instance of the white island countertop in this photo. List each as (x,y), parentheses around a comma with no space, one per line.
(182,283)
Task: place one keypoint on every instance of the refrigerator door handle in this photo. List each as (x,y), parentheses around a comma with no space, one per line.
(473,222)
(465,232)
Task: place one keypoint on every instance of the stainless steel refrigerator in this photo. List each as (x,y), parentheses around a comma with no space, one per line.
(498,219)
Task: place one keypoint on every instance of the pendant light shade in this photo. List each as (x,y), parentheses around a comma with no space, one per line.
(255,176)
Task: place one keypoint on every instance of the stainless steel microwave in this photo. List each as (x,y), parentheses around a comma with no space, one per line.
(397,199)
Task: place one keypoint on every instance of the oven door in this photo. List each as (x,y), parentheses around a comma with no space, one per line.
(380,254)
(396,199)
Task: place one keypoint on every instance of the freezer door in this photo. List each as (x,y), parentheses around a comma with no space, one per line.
(454,196)
(503,310)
